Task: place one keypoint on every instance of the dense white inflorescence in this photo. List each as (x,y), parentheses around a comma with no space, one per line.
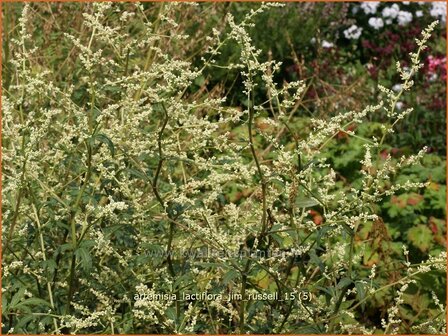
(136,176)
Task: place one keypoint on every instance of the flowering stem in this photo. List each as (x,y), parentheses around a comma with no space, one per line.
(257,163)
(243,294)
(161,159)
(14,218)
(338,305)
(379,290)
(162,203)
(73,227)
(291,304)
(42,247)
(350,256)
(22,177)
(150,56)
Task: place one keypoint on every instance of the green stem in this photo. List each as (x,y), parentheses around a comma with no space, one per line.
(149,57)
(42,247)
(243,295)
(250,104)
(161,159)
(75,242)
(338,306)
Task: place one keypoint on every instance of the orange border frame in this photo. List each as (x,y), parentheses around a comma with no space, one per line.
(1,123)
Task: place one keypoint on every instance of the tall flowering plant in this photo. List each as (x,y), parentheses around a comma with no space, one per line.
(117,215)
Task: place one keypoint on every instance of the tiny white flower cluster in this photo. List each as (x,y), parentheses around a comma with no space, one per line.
(390,13)
(370,7)
(327,45)
(438,10)
(403,17)
(353,32)
(147,168)
(376,23)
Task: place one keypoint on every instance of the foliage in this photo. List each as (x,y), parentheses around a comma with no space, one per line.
(141,194)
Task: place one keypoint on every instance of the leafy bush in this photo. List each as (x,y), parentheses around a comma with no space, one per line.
(136,200)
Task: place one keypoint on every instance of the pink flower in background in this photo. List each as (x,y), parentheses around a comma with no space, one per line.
(435,62)
(437,65)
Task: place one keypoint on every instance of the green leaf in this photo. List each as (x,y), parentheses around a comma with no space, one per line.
(137,173)
(65,247)
(211,265)
(279,183)
(171,313)
(87,243)
(315,260)
(327,290)
(278,239)
(175,210)
(17,297)
(105,140)
(186,278)
(262,279)
(344,282)
(199,81)
(276,227)
(4,304)
(302,202)
(50,265)
(421,237)
(84,256)
(22,322)
(229,276)
(321,233)
(312,329)
(33,302)
(361,293)
(348,229)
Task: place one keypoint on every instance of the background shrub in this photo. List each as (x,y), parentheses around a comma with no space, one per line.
(146,152)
